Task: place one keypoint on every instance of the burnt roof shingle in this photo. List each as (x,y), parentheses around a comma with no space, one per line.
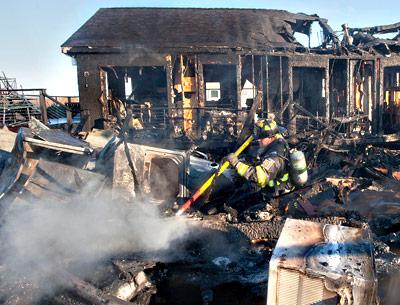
(163,28)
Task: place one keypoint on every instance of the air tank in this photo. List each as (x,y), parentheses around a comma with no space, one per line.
(298,167)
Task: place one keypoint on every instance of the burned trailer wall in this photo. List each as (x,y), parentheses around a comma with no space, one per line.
(352,89)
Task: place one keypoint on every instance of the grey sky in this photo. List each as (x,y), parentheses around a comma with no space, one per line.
(32,31)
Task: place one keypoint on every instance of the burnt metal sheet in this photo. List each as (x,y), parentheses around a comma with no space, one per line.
(162,173)
(55,140)
(337,260)
(37,180)
(60,137)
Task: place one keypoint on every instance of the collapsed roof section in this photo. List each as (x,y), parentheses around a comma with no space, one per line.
(121,29)
(367,39)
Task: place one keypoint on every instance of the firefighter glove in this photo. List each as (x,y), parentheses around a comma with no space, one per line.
(233,159)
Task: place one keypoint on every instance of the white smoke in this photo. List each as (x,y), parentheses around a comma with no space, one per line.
(43,237)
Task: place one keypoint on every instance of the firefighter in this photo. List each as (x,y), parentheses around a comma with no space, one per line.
(268,167)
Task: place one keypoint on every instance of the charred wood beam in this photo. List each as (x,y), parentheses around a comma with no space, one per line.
(335,149)
(238,87)
(131,163)
(170,90)
(198,115)
(308,113)
(43,108)
(348,87)
(327,92)
(379,95)
(280,83)
(253,77)
(279,114)
(292,122)
(267,86)
(381,29)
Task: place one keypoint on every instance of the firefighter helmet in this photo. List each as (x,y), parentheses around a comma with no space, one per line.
(265,128)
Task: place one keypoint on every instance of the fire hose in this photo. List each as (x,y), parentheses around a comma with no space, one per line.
(209,181)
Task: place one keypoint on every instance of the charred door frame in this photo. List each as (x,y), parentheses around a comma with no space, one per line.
(381,64)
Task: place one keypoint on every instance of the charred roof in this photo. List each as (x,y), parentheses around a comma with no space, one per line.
(194,28)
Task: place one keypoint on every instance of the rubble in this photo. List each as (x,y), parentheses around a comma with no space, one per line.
(249,231)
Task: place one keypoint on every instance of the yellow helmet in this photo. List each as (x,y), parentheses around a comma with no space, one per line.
(265,128)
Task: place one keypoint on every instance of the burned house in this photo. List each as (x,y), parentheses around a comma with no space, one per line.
(100,218)
(193,70)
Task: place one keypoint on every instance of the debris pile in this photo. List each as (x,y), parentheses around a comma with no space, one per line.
(218,254)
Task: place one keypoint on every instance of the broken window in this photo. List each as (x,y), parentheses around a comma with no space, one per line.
(142,88)
(220,83)
(138,84)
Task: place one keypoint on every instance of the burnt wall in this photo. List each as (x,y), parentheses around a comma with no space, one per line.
(90,83)
(273,75)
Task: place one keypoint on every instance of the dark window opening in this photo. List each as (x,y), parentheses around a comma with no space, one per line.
(220,86)
(143,89)
(137,85)
(308,89)
(338,88)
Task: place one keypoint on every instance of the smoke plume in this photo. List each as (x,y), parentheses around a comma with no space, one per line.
(42,237)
